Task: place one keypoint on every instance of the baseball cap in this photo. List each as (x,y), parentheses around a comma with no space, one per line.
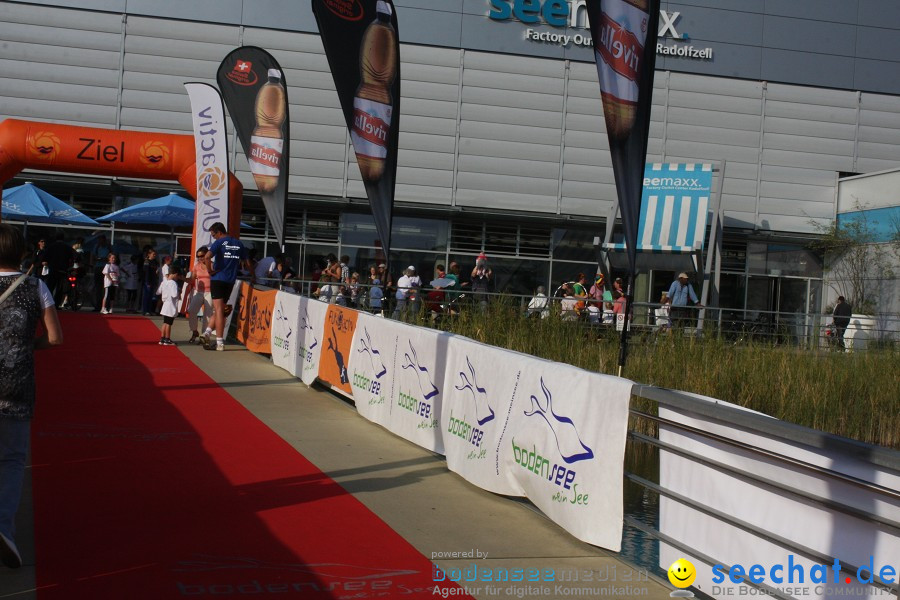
(685,275)
(410,268)
(382,266)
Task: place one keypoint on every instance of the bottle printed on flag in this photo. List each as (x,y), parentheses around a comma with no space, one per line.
(373,104)
(619,55)
(267,142)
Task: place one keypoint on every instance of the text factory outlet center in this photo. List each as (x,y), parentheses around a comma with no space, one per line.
(502,140)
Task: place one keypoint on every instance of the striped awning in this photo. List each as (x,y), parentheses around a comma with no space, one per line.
(674,209)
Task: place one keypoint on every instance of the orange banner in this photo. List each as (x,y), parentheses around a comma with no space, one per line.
(340,324)
(254,325)
(115,152)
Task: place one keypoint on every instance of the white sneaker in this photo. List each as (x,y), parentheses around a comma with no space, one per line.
(9,554)
(103,311)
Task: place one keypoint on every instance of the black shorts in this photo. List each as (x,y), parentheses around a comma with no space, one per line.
(220,290)
(168,320)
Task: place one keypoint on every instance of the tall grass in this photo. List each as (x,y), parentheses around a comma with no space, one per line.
(853,395)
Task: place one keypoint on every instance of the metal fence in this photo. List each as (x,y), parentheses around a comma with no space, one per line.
(849,475)
(737,326)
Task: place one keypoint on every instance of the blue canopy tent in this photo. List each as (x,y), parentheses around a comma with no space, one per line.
(172,210)
(30,203)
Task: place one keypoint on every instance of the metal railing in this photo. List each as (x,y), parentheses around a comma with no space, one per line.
(737,326)
(644,432)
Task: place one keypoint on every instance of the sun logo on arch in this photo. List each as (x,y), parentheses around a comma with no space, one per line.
(44,145)
(154,155)
(212,180)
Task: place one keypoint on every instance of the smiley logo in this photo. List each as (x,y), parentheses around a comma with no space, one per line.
(682,573)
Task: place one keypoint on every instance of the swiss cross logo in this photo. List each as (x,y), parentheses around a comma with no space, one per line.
(243,73)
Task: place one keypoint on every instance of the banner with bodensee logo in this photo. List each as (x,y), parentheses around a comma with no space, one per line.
(310,334)
(564,444)
(254,326)
(397,374)
(479,390)
(285,329)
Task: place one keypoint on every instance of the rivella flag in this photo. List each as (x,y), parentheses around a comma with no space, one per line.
(360,41)
(255,92)
(211,146)
(624,33)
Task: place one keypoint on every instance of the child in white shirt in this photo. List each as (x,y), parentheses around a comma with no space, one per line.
(169,298)
(111,274)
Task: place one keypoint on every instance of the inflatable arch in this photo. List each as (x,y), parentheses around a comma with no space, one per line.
(114,152)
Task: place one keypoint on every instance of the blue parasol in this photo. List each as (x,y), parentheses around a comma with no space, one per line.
(30,203)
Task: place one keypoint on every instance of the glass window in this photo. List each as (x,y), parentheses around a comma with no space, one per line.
(575,244)
(756,258)
(793,260)
(358,229)
(731,290)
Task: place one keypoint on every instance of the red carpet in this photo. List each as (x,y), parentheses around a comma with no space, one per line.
(150,481)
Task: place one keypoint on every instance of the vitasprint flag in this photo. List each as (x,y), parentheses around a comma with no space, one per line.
(211,146)
(360,40)
(255,92)
(624,34)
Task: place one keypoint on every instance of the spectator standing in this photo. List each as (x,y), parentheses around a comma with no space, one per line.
(538,307)
(130,281)
(405,287)
(354,288)
(482,276)
(376,294)
(24,302)
(111,277)
(224,258)
(100,254)
(150,282)
(841,319)
(59,257)
(169,294)
(663,314)
(680,292)
(41,270)
(201,300)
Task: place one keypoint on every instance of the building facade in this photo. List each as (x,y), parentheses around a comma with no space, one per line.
(502,142)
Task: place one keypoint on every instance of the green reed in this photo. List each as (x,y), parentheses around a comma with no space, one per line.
(853,395)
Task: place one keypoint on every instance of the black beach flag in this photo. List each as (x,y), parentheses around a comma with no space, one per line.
(360,40)
(255,92)
(624,34)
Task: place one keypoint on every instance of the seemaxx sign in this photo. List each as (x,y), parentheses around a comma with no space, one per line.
(572,14)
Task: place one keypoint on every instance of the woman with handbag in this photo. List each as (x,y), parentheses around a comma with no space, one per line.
(24,302)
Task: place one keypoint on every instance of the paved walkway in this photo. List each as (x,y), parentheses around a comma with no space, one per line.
(438,512)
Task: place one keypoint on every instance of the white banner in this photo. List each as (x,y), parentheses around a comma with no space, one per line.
(480,384)
(808,525)
(373,367)
(564,443)
(310,333)
(285,329)
(411,361)
(210,141)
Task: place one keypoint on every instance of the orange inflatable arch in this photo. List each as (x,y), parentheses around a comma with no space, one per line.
(115,152)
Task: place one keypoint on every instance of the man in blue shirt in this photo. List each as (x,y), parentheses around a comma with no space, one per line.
(679,293)
(224,259)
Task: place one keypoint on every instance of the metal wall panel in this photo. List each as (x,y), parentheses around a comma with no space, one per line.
(59,65)
(479,129)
